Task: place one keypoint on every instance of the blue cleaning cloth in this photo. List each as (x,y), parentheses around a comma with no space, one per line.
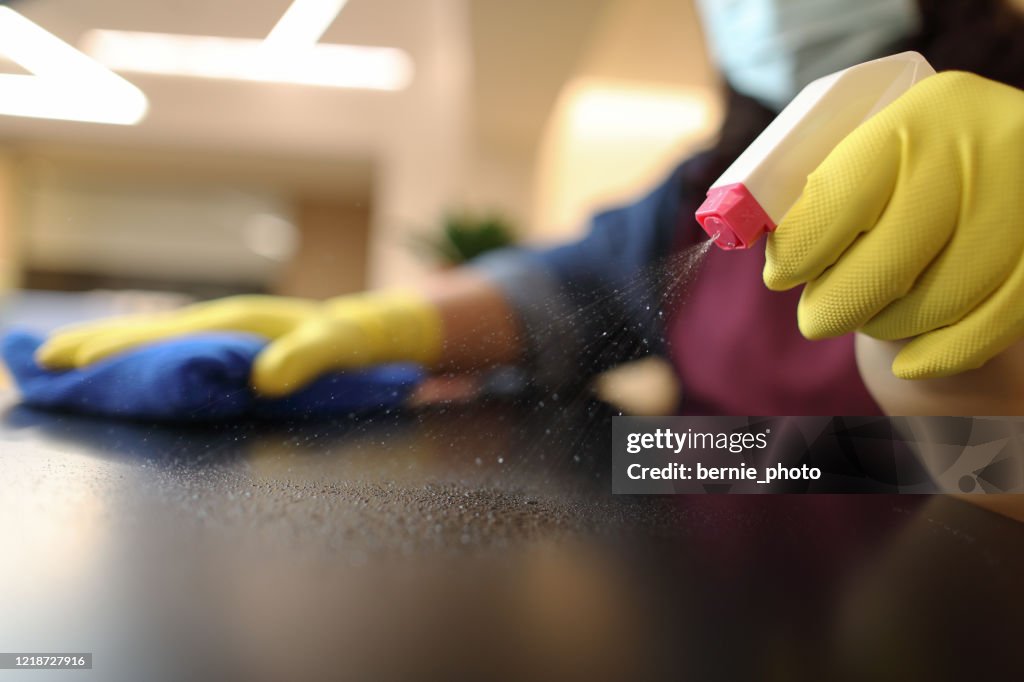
(202,377)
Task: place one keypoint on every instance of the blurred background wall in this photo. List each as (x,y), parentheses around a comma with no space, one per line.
(539,111)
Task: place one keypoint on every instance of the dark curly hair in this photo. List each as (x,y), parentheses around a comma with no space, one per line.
(985,37)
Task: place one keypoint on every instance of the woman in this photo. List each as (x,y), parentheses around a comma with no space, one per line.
(944,163)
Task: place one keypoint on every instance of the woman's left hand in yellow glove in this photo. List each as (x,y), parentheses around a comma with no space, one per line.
(307,338)
(913,228)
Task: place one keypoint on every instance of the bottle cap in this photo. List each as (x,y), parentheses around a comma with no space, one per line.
(733,218)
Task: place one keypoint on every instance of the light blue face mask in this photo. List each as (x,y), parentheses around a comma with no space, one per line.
(771,49)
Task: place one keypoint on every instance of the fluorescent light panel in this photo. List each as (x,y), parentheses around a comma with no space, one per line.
(341,66)
(65,84)
(304,22)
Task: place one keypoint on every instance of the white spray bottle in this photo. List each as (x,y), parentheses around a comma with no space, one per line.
(757,190)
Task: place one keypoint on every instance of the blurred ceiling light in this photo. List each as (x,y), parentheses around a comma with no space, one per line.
(290,54)
(340,66)
(65,84)
(628,112)
(304,22)
(608,141)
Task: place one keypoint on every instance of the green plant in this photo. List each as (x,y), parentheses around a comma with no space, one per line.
(465,236)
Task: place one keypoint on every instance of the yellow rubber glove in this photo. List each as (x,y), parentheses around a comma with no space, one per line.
(913,228)
(308,337)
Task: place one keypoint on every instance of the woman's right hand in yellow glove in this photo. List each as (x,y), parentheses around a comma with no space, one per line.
(308,338)
(913,228)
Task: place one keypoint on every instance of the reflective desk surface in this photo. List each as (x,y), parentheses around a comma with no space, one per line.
(477,542)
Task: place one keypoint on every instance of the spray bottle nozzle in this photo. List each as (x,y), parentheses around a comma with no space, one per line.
(733,217)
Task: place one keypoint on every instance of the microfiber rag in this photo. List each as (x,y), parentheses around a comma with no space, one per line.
(200,377)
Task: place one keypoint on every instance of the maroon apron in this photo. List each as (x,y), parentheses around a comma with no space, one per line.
(738,350)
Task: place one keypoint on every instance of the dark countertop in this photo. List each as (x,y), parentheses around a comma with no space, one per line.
(475,542)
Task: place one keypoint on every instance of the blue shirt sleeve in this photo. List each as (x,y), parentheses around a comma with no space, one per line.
(589,305)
